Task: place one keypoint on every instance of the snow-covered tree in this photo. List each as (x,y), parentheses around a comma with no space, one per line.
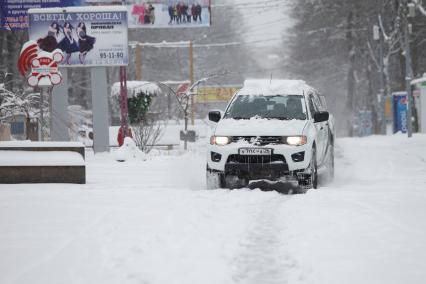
(21,102)
(332,47)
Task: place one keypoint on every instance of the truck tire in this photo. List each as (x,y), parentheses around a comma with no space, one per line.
(234,182)
(214,180)
(310,179)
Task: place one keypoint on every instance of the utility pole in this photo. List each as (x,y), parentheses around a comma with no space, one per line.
(191,79)
(378,36)
(408,71)
(124,125)
(123,101)
(382,87)
(138,63)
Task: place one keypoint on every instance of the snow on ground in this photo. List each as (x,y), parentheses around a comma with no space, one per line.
(153,222)
(370,225)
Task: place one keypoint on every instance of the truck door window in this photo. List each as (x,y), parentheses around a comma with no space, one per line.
(318,104)
(312,107)
(323,102)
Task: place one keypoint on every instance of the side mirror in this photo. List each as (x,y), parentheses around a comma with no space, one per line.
(321,116)
(215,116)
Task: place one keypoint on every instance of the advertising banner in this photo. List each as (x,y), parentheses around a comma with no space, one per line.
(388,108)
(399,112)
(215,94)
(169,13)
(88,36)
(142,13)
(14,12)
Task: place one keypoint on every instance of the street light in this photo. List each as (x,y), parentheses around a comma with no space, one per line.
(378,36)
(408,73)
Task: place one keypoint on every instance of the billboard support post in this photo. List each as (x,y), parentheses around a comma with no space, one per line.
(59,107)
(100,109)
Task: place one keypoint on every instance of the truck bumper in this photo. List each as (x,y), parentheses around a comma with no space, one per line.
(257,171)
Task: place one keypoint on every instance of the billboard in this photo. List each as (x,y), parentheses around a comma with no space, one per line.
(14,12)
(88,36)
(210,94)
(169,13)
(142,13)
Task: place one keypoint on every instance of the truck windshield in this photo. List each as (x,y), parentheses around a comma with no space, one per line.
(283,107)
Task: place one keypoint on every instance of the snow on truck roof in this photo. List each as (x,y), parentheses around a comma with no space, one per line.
(275,87)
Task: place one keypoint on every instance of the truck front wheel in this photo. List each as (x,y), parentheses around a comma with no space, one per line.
(214,180)
(309,179)
(234,182)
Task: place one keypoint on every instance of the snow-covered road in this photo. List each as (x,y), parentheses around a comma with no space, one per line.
(153,222)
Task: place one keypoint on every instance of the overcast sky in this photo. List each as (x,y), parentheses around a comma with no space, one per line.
(265,20)
(265,24)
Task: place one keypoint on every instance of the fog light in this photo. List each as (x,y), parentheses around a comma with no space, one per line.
(298,157)
(216,157)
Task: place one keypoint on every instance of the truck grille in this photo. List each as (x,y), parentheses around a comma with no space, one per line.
(259,140)
(253,159)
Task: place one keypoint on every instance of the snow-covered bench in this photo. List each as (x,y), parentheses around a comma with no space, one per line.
(42,162)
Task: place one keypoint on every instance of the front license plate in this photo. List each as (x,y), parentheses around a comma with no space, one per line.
(255,151)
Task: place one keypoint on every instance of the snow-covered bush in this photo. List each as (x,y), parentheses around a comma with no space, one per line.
(147,132)
(147,108)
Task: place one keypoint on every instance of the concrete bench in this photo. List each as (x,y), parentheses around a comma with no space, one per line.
(42,162)
(168,146)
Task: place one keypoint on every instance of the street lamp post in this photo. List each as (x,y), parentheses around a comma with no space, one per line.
(408,71)
(378,36)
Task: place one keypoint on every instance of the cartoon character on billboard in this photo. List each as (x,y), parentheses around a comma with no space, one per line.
(44,65)
(85,42)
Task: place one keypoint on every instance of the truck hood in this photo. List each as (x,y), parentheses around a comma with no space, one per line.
(259,127)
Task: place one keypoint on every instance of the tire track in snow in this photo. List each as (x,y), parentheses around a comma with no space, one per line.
(381,214)
(262,259)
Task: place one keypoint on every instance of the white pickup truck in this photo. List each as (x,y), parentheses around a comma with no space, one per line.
(277,130)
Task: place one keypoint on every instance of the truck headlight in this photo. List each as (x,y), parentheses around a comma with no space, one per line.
(296,140)
(220,140)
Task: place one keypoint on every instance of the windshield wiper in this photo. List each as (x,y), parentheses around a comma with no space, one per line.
(239,117)
(279,118)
